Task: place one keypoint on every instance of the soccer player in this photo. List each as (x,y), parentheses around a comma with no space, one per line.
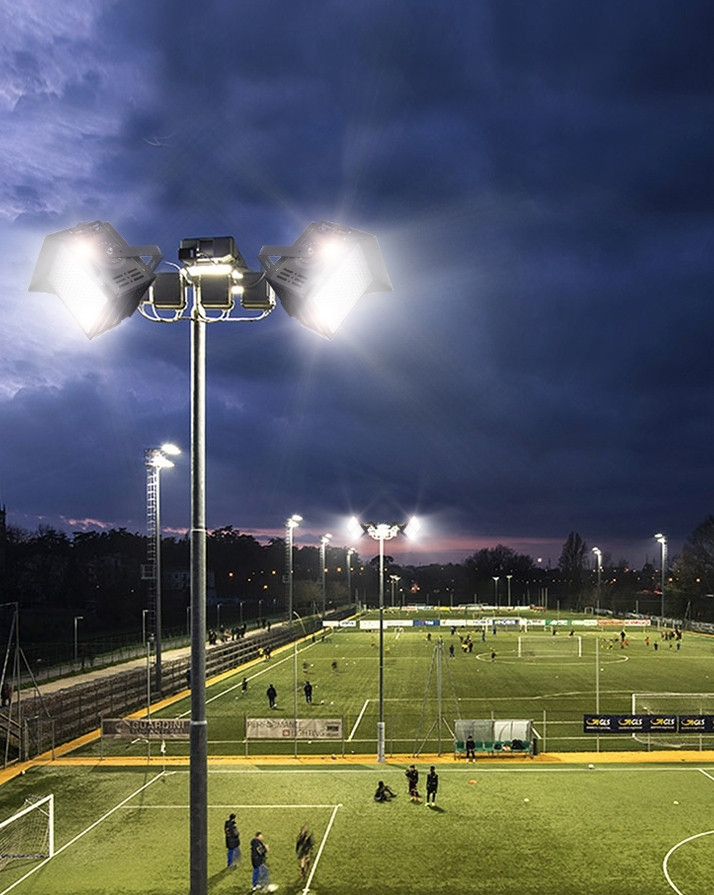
(308,692)
(232,841)
(432,785)
(384,793)
(303,849)
(412,776)
(272,695)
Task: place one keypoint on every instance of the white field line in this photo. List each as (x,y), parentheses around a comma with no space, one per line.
(83,833)
(357,722)
(702,771)
(319,851)
(225,807)
(673,850)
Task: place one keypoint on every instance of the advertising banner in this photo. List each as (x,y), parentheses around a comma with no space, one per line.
(630,723)
(284,728)
(148,729)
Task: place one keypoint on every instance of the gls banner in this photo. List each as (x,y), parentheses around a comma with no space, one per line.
(630,724)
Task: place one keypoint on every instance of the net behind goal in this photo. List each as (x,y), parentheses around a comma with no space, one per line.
(675,704)
(536,646)
(29,834)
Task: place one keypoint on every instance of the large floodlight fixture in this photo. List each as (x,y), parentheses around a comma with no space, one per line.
(97,274)
(322,275)
(382,531)
(103,280)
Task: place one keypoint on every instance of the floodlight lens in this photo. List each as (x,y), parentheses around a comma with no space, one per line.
(77,287)
(342,288)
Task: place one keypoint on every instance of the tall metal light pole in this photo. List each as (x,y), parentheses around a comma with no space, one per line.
(495,589)
(324,541)
(508,579)
(382,532)
(103,280)
(291,523)
(393,580)
(662,541)
(77,618)
(155,459)
(598,553)
(350,552)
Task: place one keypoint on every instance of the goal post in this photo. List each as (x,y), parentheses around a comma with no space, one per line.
(545,646)
(675,704)
(30,833)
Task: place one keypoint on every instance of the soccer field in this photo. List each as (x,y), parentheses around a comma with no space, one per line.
(505,829)
(426,690)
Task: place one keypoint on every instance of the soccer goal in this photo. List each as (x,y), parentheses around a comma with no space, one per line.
(545,646)
(30,833)
(674,704)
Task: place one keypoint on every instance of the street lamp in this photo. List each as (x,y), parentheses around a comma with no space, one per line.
(495,590)
(324,541)
(508,579)
(77,618)
(218,616)
(382,532)
(598,553)
(144,613)
(662,541)
(155,459)
(103,280)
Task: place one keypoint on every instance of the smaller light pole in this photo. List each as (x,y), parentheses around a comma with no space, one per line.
(393,579)
(77,618)
(495,590)
(144,613)
(382,532)
(662,541)
(324,541)
(508,579)
(218,616)
(350,552)
(598,553)
(291,523)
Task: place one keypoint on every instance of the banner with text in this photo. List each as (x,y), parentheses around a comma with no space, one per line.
(158,729)
(648,723)
(284,728)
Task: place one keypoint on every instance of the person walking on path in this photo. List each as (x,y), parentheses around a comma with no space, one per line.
(432,785)
(272,694)
(258,858)
(232,841)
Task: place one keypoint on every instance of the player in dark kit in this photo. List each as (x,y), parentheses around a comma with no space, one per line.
(412,776)
(432,785)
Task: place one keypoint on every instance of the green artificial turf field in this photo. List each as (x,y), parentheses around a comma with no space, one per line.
(549,684)
(609,830)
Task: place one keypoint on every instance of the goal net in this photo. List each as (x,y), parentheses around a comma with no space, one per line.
(29,833)
(545,646)
(673,704)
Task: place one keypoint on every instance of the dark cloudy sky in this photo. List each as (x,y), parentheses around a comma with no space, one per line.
(539,175)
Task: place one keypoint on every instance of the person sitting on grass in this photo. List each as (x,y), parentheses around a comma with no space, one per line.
(384,793)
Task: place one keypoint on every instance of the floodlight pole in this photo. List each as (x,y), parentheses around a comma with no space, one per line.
(662,541)
(198,746)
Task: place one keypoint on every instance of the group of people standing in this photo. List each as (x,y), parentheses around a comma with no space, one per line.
(384,793)
(259,854)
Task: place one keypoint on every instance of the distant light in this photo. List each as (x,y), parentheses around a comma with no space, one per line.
(321,277)
(96,273)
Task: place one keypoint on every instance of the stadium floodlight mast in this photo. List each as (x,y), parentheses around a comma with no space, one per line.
(350,553)
(156,459)
(598,553)
(382,531)
(324,541)
(291,523)
(662,541)
(103,280)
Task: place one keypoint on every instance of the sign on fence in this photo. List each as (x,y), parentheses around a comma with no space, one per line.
(284,728)
(648,723)
(148,729)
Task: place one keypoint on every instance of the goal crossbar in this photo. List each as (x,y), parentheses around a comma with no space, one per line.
(29,833)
